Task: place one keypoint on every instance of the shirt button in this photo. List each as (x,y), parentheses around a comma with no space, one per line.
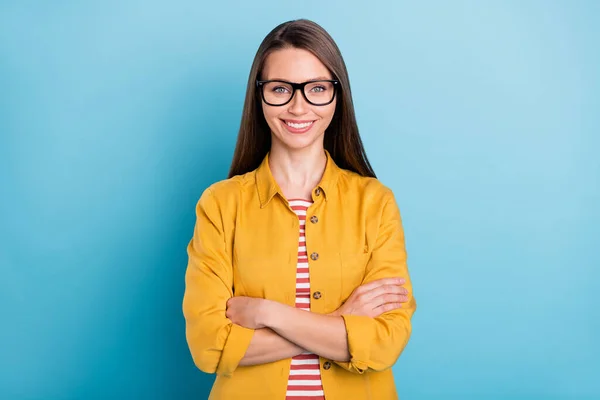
(316,295)
(314,256)
(326,365)
(314,219)
(318,192)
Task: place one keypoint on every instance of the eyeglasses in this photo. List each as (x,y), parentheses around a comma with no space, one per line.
(279,93)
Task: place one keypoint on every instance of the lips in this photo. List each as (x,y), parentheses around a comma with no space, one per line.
(298,126)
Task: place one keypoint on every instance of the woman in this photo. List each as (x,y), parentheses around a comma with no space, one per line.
(297,285)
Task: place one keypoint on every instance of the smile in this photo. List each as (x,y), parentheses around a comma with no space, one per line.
(297,126)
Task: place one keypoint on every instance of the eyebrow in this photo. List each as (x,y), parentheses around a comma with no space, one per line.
(318,78)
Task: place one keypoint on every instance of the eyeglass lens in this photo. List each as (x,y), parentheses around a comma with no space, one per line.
(317,92)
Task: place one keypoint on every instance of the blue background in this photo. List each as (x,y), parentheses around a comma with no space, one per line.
(482,116)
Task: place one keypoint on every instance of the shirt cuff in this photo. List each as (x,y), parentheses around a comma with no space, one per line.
(234,350)
(360,333)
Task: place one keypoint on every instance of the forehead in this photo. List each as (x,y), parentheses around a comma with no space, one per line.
(294,65)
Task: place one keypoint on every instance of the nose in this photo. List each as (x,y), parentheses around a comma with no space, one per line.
(298,103)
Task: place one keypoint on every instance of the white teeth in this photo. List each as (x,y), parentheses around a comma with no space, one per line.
(299,126)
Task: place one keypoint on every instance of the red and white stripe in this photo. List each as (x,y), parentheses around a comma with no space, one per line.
(304,382)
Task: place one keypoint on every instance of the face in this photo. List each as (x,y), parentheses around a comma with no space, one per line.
(297,124)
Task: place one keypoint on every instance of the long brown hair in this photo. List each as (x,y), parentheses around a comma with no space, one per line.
(342,139)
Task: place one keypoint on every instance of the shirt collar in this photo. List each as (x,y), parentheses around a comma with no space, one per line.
(267,187)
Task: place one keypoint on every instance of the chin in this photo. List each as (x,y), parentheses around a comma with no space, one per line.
(297,142)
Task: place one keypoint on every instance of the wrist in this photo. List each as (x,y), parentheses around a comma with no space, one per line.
(265,313)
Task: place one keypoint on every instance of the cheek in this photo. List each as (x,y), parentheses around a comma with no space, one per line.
(270,114)
(327,113)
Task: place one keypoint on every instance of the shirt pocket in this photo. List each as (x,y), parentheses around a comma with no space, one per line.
(354,268)
(265,277)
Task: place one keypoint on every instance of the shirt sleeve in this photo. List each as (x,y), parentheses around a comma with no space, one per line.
(376,343)
(216,344)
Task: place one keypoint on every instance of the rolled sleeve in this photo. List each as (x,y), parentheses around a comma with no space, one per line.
(360,331)
(234,350)
(376,343)
(216,344)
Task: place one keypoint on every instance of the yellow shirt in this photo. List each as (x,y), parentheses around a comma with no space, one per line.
(245,243)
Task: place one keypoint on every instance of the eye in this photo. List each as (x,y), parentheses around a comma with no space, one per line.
(318,89)
(280,89)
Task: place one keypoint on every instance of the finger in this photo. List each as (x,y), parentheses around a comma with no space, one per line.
(394,289)
(386,308)
(389,298)
(381,282)
(401,290)
(231,303)
(382,290)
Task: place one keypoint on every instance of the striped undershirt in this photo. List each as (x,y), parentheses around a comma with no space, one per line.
(304,382)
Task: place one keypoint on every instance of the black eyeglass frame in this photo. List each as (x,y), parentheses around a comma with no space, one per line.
(295,87)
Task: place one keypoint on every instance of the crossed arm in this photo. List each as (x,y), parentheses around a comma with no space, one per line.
(267,346)
(224,332)
(282,331)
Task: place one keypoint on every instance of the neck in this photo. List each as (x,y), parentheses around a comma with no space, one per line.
(297,172)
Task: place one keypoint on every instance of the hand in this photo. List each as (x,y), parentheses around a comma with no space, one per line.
(374,298)
(246,311)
